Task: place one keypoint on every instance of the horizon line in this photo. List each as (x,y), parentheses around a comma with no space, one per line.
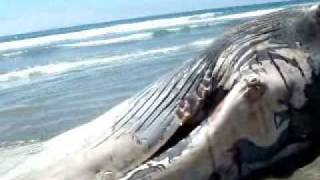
(155,16)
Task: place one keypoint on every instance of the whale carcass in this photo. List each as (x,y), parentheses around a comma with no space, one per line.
(245,108)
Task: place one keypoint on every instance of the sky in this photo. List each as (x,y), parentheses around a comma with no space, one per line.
(21,16)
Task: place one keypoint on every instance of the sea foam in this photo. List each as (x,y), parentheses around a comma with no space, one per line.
(129,38)
(192,21)
(65,67)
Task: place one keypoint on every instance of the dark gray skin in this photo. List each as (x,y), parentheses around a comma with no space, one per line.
(246,108)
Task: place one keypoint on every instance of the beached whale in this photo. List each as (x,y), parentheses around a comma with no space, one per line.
(245,108)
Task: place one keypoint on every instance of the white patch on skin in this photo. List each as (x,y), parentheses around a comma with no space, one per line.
(237,118)
(163,163)
(293,75)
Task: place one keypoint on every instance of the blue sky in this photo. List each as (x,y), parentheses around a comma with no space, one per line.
(20,16)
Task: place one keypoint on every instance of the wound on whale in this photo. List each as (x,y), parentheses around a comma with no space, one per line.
(246,108)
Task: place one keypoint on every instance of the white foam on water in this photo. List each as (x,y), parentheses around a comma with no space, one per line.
(64,67)
(134,37)
(174,29)
(203,16)
(127,28)
(248,14)
(14,53)
(204,42)
(50,69)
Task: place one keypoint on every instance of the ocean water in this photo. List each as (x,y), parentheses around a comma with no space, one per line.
(55,80)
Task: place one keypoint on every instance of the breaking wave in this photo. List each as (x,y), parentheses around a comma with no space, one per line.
(64,67)
(248,14)
(204,42)
(14,53)
(130,38)
(170,24)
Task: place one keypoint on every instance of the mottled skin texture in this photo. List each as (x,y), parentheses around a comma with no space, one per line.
(246,108)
